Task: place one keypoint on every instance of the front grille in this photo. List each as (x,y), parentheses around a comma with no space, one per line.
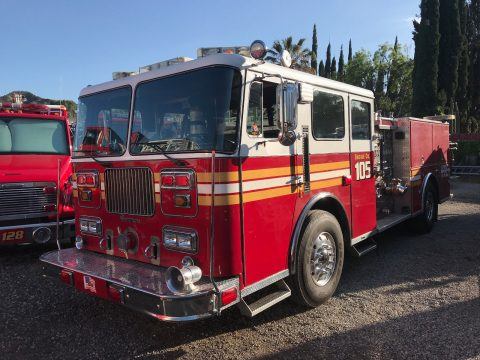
(130,191)
(25,200)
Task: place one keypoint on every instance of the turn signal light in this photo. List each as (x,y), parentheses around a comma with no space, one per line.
(116,294)
(229,296)
(66,277)
(168,180)
(182,180)
(87,179)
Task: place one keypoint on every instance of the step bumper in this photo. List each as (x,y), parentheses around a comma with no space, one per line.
(139,286)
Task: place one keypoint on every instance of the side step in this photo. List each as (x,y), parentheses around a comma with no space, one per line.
(364,247)
(280,291)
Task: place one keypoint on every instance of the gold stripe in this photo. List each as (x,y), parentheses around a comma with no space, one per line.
(75,193)
(103,195)
(157,198)
(234,199)
(416,183)
(74,177)
(232,176)
(156,177)
(102,177)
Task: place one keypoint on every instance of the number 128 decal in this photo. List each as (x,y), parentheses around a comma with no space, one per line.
(363,170)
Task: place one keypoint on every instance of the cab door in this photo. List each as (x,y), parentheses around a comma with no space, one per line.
(361,161)
(268,183)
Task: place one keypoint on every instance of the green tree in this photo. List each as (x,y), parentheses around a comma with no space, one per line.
(350,51)
(360,70)
(425,74)
(321,69)
(333,70)
(449,50)
(313,60)
(328,62)
(341,66)
(300,55)
(473,35)
(463,69)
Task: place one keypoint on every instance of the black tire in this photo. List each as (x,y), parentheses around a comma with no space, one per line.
(308,290)
(424,222)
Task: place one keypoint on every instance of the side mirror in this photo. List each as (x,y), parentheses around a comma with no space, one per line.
(287,98)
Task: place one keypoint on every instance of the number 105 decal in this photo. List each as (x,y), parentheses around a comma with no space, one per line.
(363,170)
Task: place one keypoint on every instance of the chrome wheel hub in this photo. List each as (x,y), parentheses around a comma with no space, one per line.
(323,260)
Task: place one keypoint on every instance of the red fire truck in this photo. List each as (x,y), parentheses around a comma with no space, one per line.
(240,182)
(36,204)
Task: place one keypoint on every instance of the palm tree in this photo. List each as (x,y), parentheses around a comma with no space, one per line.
(300,55)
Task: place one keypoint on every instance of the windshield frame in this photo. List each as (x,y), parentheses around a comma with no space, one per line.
(127,141)
(195,151)
(65,128)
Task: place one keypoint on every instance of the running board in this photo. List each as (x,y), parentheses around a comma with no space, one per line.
(280,291)
(364,247)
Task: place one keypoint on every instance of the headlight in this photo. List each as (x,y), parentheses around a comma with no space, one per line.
(179,239)
(91,226)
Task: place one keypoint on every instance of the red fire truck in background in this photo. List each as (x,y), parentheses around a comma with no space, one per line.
(236,176)
(36,204)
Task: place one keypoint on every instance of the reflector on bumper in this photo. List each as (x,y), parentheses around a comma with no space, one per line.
(144,286)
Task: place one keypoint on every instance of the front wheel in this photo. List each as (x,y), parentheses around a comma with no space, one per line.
(319,260)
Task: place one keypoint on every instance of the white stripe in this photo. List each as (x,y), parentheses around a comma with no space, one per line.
(157,188)
(102,186)
(329,174)
(232,188)
(184,156)
(415,178)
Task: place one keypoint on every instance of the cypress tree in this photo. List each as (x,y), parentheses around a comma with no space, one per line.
(350,51)
(333,70)
(328,62)
(395,73)
(448,57)
(473,32)
(321,69)
(313,61)
(463,67)
(341,66)
(425,73)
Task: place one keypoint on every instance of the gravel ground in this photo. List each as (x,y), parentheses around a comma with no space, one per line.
(416,297)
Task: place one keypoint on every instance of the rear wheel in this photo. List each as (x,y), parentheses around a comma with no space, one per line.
(319,260)
(425,221)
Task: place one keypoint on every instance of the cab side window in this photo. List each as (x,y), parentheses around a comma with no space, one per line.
(263,110)
(328,116)
(361,120)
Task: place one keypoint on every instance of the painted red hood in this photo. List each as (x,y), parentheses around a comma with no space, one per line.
(21,168)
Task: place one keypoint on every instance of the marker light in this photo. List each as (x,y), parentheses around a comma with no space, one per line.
(182,181)
(87,179)
(258,50)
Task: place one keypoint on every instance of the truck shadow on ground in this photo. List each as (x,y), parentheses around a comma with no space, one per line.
(450,329)
(410,262)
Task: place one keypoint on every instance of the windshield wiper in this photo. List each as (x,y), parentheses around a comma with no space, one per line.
(156,146)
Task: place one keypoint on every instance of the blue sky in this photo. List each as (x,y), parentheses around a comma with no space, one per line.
(55,48)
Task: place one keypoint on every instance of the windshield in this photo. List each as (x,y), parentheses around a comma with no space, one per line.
(102,123)
(194,111)
(33,136)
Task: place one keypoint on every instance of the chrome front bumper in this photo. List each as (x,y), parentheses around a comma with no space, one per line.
(143,286)
(66,231)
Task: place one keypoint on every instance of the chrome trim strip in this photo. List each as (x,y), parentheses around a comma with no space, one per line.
(250,289)
(30,226)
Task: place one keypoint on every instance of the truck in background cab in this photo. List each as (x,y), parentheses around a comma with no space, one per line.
(36,201)
(198,183)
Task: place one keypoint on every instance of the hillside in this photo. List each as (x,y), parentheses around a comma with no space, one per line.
(32,98)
